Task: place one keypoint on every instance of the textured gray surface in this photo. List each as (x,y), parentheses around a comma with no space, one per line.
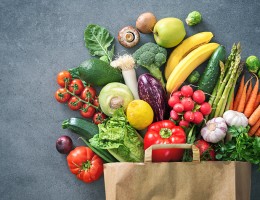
(40,38)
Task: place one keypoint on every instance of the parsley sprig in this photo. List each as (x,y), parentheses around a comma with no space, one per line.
(240,148)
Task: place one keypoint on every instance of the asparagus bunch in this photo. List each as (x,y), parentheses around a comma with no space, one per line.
(224,90)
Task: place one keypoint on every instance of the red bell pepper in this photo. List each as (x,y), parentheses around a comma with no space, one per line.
(165,132)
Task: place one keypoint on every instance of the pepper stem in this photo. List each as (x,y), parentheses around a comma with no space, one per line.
(165,133)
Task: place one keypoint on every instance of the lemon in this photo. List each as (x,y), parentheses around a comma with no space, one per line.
(139,114)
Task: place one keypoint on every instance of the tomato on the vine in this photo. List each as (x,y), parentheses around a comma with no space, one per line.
(88,94)
(63,77)
(99,117)
(87,111)
(74,103)
(62,95)
(76,86)
(96,102)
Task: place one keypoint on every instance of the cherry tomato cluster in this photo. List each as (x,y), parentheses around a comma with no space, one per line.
(79,97)
(188,106)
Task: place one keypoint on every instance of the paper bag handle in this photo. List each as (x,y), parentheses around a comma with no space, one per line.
(195,150)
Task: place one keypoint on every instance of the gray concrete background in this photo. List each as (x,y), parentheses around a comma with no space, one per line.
(40,38)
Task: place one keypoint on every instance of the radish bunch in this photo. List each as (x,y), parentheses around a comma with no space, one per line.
(188,106)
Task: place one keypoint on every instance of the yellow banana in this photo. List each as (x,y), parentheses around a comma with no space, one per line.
(184,48)
(188,64)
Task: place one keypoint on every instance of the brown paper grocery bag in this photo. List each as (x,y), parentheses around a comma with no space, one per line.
(208,180)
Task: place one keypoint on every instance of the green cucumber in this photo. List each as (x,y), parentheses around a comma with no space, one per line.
(96,72)
(81,127)
(210,76)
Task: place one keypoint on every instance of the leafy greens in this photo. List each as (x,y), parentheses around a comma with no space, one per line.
(240,148)
(119,138)
(98,40)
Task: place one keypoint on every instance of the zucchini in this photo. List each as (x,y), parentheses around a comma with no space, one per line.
(211,74)
(82,127)
(87,130)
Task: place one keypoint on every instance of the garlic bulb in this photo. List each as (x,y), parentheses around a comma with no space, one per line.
(234,118)
(215,130)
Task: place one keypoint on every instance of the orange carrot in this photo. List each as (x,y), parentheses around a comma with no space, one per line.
(249,90)
(249,109)
(242,100)
(257,102)
(239,93)
(254,128)
(258,132)
(254,117)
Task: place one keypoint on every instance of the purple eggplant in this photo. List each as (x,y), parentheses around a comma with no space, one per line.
(151,91)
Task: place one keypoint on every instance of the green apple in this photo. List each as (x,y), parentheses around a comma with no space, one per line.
(169,32)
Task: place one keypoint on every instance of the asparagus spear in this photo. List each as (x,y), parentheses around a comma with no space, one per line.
(228,89)
(224,78)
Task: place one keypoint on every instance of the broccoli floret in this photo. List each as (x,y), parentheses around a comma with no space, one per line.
(152,57)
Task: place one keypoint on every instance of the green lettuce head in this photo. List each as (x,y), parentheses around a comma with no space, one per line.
(119,138)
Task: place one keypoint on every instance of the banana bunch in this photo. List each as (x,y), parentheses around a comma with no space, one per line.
(192,52)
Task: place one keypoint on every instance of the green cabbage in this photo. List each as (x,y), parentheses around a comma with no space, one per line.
(119,138)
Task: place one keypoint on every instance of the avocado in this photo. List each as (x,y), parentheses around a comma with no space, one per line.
(98,72)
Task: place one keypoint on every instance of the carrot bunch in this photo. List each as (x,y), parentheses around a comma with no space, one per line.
(247,101)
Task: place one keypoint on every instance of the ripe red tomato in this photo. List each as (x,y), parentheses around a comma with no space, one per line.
(74,103)
(99,117)
(87,111)
(63,77)
(96,102)
(76,86)
(85,164)
(62,95)
(88,94)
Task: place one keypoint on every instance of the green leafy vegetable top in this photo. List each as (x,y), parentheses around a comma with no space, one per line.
(98,40)
(119,138)
(240,148)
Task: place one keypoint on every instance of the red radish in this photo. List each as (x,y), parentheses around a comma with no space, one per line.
(198,96)
(186,91)
(184,123)
(174,115)
(206,151)
(178,107)
(177,93)
(205,108)
(188,103)
(173,100)
(198,117)
(189,116)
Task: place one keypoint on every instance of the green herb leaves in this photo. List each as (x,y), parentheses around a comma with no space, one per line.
(240,148)
(98,40)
